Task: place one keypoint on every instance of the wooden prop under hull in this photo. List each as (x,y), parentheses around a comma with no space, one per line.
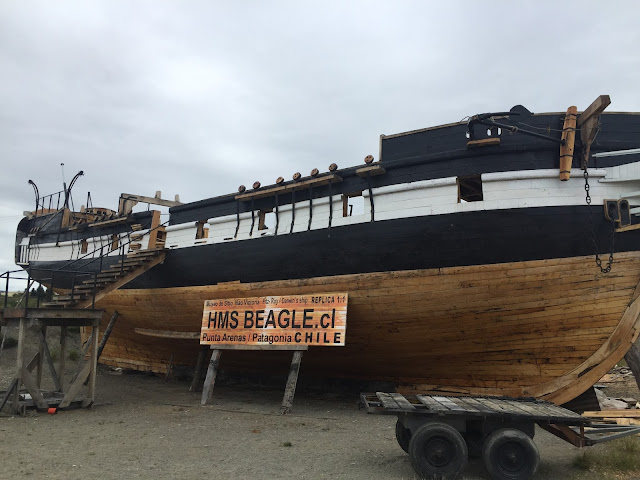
(544,328)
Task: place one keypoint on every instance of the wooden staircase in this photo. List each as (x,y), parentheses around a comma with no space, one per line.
(109,279)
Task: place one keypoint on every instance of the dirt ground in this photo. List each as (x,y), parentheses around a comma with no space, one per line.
(145,427)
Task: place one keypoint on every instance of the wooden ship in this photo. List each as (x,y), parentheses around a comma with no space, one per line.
(496,256)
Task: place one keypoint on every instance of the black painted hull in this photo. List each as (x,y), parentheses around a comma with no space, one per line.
(459,239)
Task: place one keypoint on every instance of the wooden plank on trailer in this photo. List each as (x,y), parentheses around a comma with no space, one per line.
(468,406)
(402,401)
(495,409)
(481,407)
(510,409)
(387,401)
(447,402)
(433,405)
(526,408)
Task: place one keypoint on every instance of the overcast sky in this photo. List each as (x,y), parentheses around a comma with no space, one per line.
(196,98)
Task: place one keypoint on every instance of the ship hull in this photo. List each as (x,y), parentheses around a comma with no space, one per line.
(543,328)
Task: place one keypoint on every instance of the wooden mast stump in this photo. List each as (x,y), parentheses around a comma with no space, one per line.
(292,380)
(41,318)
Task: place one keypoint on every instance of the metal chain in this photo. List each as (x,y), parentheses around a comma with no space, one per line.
(594,238)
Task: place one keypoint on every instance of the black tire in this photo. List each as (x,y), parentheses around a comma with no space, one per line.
(403,435)
(510,454)
(438,451)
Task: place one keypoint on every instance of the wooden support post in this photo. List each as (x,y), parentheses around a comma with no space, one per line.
(44,352)
(3,401)
(41,345)
(75,386)
(588,123)
(107,332)
(568,141)
(210,380)
(94,364)
(290,390)
(63,355)
(633,360)
(32,387)
(85,348)
(19,365)
(202,357)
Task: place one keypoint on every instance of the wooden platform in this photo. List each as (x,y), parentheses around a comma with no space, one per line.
(511,409)
(32,395)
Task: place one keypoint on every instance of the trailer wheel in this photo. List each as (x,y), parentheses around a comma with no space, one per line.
(437,450)
(403,435)
(510,454)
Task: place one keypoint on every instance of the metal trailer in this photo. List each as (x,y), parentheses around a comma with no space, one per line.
(440,432)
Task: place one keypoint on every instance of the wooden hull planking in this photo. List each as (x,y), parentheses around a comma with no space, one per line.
(543,328)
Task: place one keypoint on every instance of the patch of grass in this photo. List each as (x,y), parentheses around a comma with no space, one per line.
(74,355)
(10,342)
(286,444)
(621,455)
(583,461)
(55,354)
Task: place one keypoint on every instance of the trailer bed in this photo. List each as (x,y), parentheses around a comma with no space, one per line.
(511,409)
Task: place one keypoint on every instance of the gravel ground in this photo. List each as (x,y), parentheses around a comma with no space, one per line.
(144,427)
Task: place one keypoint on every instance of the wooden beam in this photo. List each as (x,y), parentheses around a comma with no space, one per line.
(371,171)
(485,142)
(633,413)
(292,380)
(128,201)
(7,394)
(210,380)
(270,192)
(46,354)
(32,387)
(107,333)
(19,365)
(588,123)
(93,364)
(76,386)
(168,334)
(63,353)
(42,343)
(595,109)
